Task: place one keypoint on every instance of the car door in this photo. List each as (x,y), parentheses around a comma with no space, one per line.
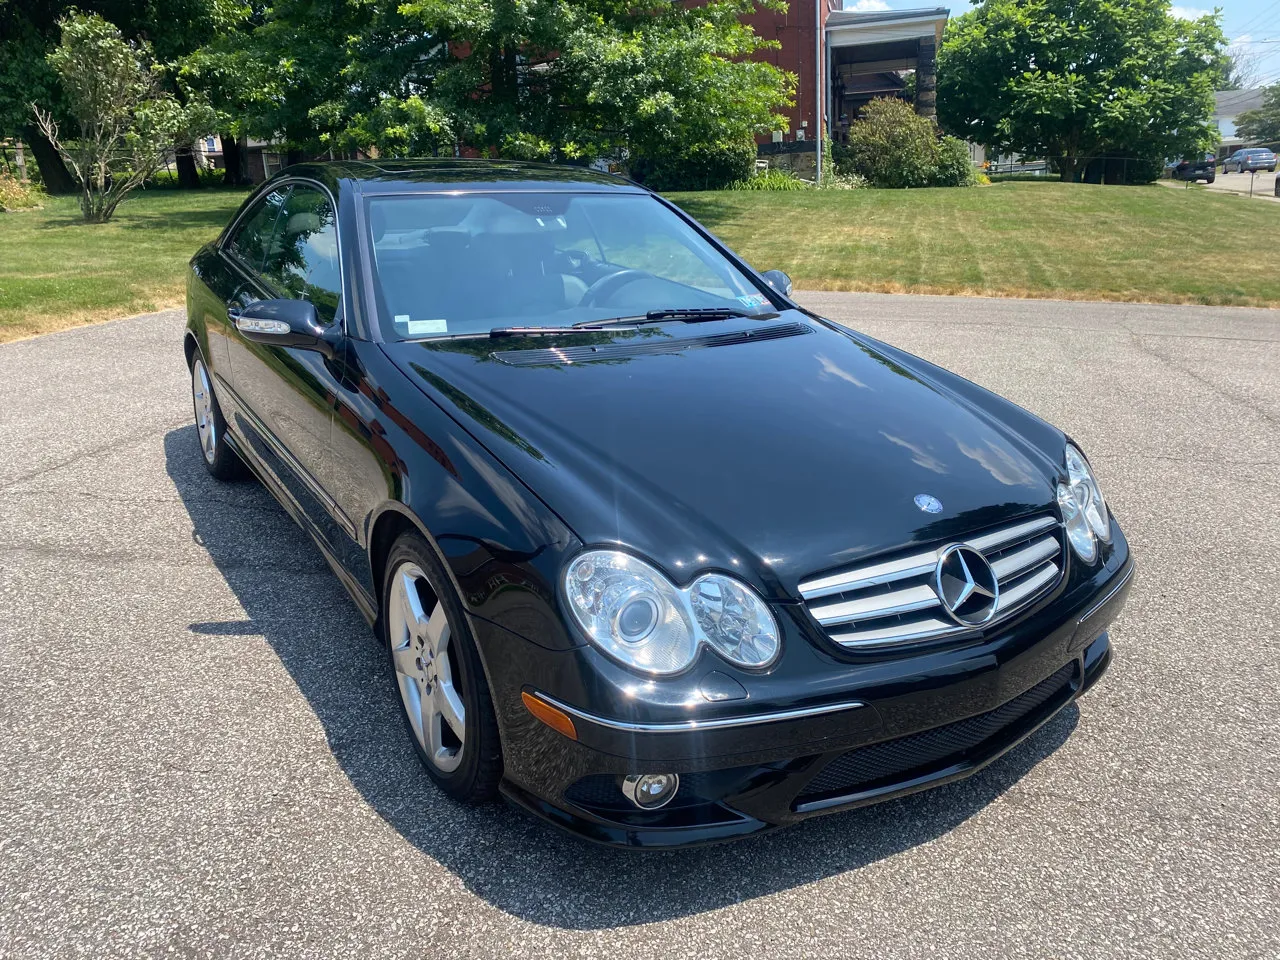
(285,395)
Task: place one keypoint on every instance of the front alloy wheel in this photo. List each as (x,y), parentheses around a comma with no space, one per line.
(420,649)
(438,673)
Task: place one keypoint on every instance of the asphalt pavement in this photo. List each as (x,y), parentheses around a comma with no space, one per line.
(200,753)
(1258,186)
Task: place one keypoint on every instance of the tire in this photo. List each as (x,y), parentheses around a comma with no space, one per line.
(211,427)
(436,669)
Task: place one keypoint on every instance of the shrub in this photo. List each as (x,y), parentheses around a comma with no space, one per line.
(771,179)
(835,180)
(711,166)
(955,166)
(16,195)
(891,146)
(166,179)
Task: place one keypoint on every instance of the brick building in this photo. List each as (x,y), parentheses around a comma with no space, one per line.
(842,59)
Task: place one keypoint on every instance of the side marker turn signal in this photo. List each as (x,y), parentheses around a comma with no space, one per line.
(553,717)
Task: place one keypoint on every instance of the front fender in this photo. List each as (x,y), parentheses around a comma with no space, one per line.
(400,462)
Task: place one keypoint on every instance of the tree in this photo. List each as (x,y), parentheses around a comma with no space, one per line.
(301,72)
(29,31)
(1240,69)
(568,80)
(1078,80)
(1262,124)
(26,29)
(124,123)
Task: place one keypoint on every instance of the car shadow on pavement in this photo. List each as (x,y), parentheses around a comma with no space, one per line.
(513,861)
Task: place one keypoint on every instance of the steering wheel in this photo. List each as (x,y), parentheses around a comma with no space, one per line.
(606,287)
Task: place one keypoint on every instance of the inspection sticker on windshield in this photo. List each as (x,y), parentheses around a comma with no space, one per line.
(416,328)
(753,300)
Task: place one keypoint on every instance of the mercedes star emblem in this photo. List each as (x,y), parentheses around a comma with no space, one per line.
(928,504)
(966,585)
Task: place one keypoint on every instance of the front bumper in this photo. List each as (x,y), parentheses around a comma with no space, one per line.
(911,724)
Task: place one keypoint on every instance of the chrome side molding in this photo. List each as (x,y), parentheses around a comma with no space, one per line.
(714,723)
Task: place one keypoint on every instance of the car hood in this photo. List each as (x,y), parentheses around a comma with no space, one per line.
(776,457)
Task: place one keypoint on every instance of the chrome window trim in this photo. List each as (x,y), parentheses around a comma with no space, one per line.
(254,276)
(689,726)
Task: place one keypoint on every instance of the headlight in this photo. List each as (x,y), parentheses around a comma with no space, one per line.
(638,617)
(1084,511)
(1084,486)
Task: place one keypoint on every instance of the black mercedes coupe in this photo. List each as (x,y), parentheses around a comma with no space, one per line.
(656,553)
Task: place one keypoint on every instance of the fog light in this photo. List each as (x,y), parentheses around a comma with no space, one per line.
(649,791)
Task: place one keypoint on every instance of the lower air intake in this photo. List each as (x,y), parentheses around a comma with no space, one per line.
(870,767)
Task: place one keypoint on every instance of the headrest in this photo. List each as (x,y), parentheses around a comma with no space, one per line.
(304,222)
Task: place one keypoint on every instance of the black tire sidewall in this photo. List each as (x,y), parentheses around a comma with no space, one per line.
(477,775)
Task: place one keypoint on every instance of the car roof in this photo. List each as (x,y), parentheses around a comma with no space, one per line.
(451,175)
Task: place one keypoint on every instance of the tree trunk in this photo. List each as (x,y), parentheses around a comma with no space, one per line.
(54,173)
(188,175)
(233,160)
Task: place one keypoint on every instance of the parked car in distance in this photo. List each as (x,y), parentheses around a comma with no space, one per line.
(1195,168)
(1250,160)
(655,553)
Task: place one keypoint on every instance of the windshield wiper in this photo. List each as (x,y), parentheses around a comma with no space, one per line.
(535,331)
(687,314)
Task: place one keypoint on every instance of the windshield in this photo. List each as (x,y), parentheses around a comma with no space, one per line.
(449,264)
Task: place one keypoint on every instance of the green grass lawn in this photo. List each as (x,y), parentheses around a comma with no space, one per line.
(1069,241)
(57,271)
(1065,241)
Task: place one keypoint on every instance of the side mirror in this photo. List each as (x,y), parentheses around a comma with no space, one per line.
(779,281)
(285,323)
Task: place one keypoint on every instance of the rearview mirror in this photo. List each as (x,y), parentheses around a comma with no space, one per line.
(779,281)
(285,323)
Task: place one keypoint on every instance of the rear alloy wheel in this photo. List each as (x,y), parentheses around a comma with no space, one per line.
(446,702)
(211,428)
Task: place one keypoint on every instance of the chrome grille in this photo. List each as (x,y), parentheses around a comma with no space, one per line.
(894,601)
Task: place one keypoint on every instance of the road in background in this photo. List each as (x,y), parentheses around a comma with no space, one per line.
(202,754)
(1264,187)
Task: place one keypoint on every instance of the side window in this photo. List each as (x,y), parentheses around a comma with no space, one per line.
(250,241)
(302,258)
